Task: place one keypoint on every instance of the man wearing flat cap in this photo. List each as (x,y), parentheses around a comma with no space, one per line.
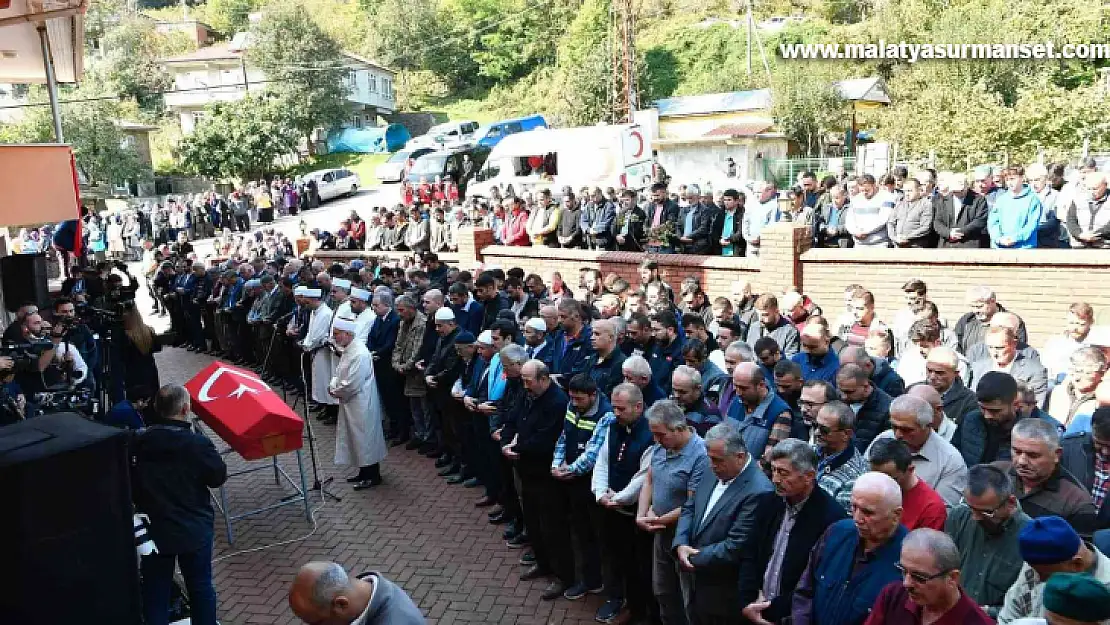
(1049,547)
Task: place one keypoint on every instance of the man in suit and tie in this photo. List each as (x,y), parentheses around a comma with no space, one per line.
(381,341)
(786,529)
(714,525)
(959,214)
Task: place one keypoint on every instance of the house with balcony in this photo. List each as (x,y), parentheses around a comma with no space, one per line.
(222,73)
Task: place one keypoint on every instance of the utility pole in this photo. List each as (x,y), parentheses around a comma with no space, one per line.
(623,60)
(753,35)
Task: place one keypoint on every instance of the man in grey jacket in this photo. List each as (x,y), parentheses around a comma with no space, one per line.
(323,592)
(911,223)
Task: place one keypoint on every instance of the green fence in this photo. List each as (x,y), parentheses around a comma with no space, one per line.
(784,171)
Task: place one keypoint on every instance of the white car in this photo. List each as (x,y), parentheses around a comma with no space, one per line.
(333,183)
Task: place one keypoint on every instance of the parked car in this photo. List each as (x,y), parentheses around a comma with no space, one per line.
(448,135)
(491,135)
(446,162)
(393,170)
(333,183)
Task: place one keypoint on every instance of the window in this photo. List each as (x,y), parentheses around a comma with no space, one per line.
(373,84)
(198,116)
(512,128)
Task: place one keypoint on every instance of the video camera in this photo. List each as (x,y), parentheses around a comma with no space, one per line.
(25,354)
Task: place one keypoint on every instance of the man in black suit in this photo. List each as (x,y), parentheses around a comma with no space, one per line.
(785,531)
(714,525)
(959,214)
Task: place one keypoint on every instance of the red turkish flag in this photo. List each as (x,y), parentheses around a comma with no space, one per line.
(244,411)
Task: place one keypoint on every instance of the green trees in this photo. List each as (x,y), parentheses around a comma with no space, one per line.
(239,139)
(101,148)
(305,67)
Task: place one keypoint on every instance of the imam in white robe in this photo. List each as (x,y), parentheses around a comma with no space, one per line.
(359,439)
(319,331)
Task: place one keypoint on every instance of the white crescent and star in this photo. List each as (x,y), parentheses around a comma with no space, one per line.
(238,393)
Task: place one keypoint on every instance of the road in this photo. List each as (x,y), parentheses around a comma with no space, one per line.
(326,217)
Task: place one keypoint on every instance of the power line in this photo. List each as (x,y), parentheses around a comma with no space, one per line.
(529,6)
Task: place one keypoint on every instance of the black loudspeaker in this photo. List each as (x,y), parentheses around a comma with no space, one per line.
(24,278)
(66,535)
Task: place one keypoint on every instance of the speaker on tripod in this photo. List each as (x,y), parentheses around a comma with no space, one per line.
(67,536)
(24,278)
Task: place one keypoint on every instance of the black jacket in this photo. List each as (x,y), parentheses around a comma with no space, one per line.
(670,213)
(492,307)
(706,230)
(972,221)
(1078,459)
(445,365)
(817,514)
(174,468)
(873,417)
(634,220)
(537,430)
(887,378)
(959,401)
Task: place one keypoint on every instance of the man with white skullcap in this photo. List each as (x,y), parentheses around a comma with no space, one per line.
(440,372)
(315,345)
(537,341)
(359,301)
(359,440)
(340,291)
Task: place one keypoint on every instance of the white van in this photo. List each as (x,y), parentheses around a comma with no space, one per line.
(602,156)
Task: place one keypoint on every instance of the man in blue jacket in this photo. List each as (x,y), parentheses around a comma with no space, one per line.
(1016,214)
(855,559)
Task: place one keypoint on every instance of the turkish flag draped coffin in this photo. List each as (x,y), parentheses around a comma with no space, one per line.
(244,411)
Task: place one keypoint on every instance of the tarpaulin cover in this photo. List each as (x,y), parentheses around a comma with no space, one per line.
(244,411)
(369,140)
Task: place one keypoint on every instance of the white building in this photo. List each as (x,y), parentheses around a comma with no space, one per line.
(220,73)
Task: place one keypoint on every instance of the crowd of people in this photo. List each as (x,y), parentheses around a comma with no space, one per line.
(707,460)
(757,458)
(1012,207)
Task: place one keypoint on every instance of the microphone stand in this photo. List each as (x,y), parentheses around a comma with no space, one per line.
(317,485)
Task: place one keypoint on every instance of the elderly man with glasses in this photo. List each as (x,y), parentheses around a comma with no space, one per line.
(930,590)
(985,528)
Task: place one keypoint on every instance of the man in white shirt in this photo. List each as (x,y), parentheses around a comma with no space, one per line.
(942,425)
(935,460)
(869,213)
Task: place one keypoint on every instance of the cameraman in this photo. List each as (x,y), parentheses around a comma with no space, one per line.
(68,368)
(76,333)
(173,469)
(29,373)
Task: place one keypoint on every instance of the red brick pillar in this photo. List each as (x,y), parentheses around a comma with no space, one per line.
(781,246)
(471,243)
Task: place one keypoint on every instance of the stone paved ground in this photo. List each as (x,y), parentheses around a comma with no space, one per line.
(415,529)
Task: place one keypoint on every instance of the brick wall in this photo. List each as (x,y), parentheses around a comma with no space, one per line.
(1039,285)
(716,273)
